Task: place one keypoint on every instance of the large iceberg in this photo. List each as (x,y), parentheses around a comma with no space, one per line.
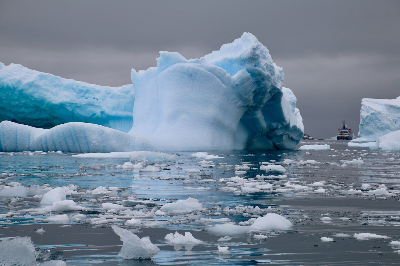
(230,99)
(379,124)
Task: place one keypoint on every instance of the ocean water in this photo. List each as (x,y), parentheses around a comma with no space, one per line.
(332,197)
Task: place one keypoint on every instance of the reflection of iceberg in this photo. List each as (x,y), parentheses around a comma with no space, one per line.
(230,99)
(379,122)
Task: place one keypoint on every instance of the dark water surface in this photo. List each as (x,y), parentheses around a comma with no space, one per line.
(342,191)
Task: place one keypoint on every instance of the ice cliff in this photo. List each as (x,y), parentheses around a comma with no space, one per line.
(379,122)
(43,100)
(230,99)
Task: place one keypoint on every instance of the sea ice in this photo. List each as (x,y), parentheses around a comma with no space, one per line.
(133,247)
(326,239)
(230,99)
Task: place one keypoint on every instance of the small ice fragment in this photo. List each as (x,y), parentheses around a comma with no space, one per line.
(58,219)
(260,237)
(40,231)
(225,238)
(342,235)
(183,206)
(326,219)
(178,239)
(273,168)
(133,247)
(133,222)
(326,239)
(315,147)
(395,243)
(223,250)
(368,236)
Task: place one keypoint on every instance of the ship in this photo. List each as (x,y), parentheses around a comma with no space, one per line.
(344,132)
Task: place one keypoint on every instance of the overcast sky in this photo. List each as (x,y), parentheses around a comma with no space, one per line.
(333,53)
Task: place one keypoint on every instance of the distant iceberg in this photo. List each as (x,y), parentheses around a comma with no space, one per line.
(379,124)
(230,99)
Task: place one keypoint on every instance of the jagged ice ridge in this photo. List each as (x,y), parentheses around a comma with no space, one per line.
(230,99)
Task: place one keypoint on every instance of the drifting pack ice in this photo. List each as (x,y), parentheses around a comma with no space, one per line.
(230,99)
(379,124)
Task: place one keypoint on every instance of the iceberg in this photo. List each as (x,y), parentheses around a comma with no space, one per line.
(43,100)
(379,124)
(229,99)
(378,117)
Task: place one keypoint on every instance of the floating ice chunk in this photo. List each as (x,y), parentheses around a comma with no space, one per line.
(133,222)
(358,161)
(133,247)
(318,184)
(326,219)
(327,239)
(320,190)
(99,190)
(17,251)
(395,243)
(260,237)
(316,147)
(178,239)
(40,231)
(228,229)
(54,195)
(365,186)
(368,236)
(225,238)
(223,250)
(273,168)
(58,219)
(342,235)
(15,191)
(380,191)
(152,157)
(271,221)
(183,206)
(66,205)
(205,155)
(112,206)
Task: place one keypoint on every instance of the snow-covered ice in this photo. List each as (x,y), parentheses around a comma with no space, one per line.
(229,99)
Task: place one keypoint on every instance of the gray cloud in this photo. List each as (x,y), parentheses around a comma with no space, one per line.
(333,52)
